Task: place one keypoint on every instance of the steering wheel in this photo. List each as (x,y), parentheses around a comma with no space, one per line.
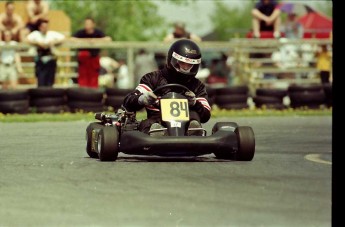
(158,90)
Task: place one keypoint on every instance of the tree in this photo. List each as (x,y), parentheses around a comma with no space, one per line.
(122,20)
(229,22)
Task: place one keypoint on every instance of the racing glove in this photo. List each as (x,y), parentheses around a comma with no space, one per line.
(147,98)
(191,98)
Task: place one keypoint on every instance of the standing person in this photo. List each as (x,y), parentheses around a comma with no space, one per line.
(122,80)
(182,65)
(10,63)
(45,61)
(266,17)
(143,63)
(180,32)
(88,59)
(107,72)
(36,10)
(292,28)
(11,21)
(324,64)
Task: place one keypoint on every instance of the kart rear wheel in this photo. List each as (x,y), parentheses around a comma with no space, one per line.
(246,143)
(218,126)
(94,125)
(108,144)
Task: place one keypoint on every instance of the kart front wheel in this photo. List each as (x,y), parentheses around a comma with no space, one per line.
(246,143)
(90,150)
(224,126)
(108,144)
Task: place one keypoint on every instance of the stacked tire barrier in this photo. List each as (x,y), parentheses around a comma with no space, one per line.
(58,100)
(310,96)
(114,97)
(211,93)
(85,100)
(48,100)
(14,102)
(270,98)
(327,88)
(235,97)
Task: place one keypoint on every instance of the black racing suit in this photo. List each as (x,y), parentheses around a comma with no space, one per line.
(201,111)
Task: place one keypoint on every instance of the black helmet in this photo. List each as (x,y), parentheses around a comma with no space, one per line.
(183,61)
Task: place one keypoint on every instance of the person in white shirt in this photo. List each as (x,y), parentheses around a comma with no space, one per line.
(10,63)
(144,63)
(45,61)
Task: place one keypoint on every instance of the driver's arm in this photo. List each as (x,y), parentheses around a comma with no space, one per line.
(131,102)
(202,107)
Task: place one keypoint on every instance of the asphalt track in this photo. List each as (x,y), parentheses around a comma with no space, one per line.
(47,179)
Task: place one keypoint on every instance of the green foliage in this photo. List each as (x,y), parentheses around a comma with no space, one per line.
(122,20)
(231,21)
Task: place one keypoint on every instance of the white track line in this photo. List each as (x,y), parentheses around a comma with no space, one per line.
(317,158)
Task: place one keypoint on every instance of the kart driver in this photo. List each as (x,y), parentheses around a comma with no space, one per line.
(183,61)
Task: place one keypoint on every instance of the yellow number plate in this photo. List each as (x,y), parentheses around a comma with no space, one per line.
(174,109)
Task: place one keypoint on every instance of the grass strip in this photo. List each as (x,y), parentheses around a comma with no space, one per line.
(216,113)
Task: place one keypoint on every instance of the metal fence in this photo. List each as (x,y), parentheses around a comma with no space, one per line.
(252,58)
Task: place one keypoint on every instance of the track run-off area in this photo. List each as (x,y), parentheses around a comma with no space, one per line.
(47,179)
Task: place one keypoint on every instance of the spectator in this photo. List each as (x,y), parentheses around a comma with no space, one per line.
(144,63)
(181,32)
(324,64)
(292,28)
(10,63)
(203,72)
(45,61)
(11,21)
(36,10)
(108,66)
(123,81)
(88,59)
(266,17)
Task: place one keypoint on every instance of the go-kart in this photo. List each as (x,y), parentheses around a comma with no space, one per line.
(118,132)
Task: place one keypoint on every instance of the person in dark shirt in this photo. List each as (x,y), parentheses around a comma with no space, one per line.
(88,59)
(180,32)
(266,17)
(182,65)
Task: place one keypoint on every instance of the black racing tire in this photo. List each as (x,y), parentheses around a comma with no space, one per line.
(17,106)
(234,106)
(272,92)
(108,144)
(93,109)
(13,95)
(327,88)
(76,106)
(217,127)
(307,98)
(211,92)
(211,100)
(117,91)
(239,90)
(230,99)
(44,92)
(90,127)
(275,106)
(304,87)
(84,94)
(42,102)
(246,143)
(260,100)
(114,101)
(52,109)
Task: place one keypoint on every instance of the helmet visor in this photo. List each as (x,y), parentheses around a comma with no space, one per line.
(185,65)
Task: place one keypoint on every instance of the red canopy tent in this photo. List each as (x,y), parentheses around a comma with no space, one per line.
(316,25)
